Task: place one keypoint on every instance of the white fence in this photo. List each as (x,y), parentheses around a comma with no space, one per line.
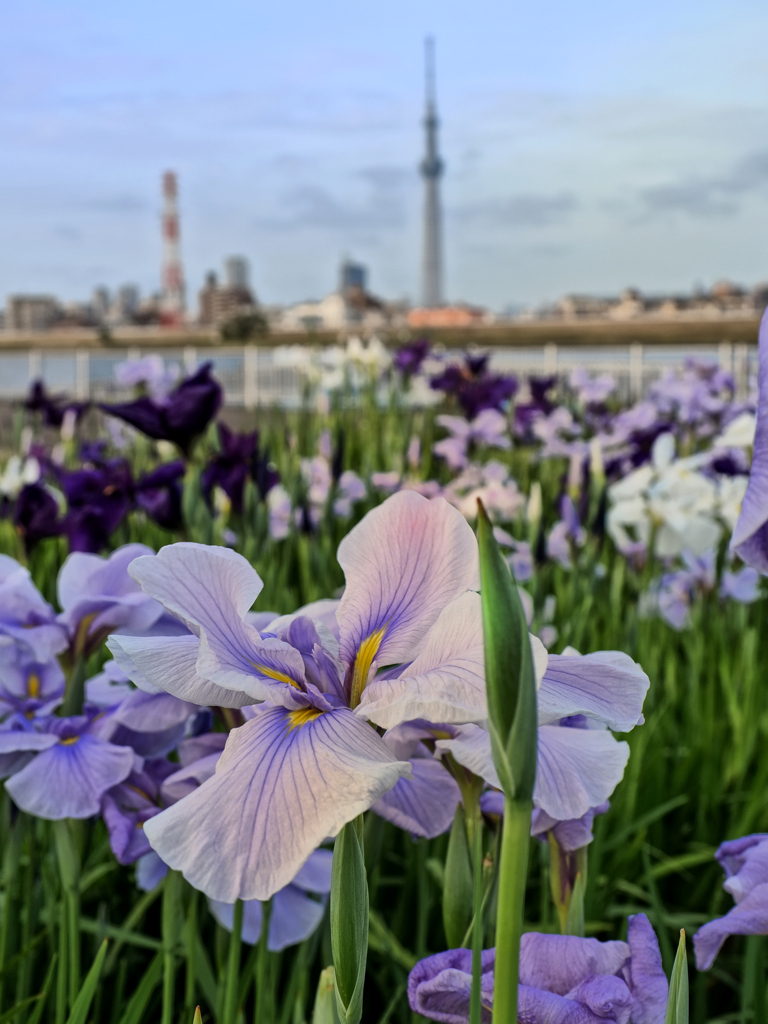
(260,376)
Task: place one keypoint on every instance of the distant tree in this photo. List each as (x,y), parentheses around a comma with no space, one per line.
(244,327)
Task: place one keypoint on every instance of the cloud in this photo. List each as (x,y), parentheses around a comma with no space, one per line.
(314,206)
(713,196)
(526,210)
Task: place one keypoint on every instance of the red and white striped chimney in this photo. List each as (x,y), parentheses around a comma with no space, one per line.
(172,297)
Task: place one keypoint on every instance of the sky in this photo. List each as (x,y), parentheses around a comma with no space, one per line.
(588,146)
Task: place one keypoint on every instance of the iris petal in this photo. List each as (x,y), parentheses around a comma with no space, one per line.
(276,794)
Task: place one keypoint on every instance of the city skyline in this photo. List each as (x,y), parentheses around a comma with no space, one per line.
(584,153)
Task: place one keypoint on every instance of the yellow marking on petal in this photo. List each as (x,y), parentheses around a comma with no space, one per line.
(366,653)
(296,719)
(274,674)
(136,789)
(441,734)
(69,741)
(33,685)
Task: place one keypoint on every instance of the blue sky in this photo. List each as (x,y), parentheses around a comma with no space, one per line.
(588,146)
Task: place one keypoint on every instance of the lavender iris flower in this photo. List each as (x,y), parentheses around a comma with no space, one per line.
(132,802)
(570,835)
(745,862)
(150,723)
(750,537)
(563,980)
(28,688)
(26,617)
(488,428)
(580,699)
(70,769)
(295,914)
(180,416)
(307,761)
(98,596)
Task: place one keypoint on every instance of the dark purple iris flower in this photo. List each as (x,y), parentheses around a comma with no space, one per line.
(180,416)
(408,358)
(36,515)
(159,494)
(98,500)
(237,460)
(474,387)
(52,408)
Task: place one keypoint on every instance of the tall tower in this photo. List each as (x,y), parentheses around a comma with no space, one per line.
(172,297)
(431,169)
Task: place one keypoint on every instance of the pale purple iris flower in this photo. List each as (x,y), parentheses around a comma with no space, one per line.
(26,618)
(295,914)
(308,761)
(745,862)
(62,767)
(97,596)
(581,698)
(592,390)
(490,428)
(563,980)
(750,536)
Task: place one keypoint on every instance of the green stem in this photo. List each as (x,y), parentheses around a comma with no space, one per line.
(475,1005)
(75,691)
(260,1002)
(61,976)
(68,857)
(11,859)
(233,966)
(513,868)
(190,935)
(171,917)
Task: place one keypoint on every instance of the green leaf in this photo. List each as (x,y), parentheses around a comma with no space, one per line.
(134,1012)
(85,996)
(37,1015)
(457,887)
(198,1018)
(325,999)
(677,1003)
(509,674)
(349,921)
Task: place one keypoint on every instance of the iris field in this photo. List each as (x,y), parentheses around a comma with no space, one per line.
(616,520)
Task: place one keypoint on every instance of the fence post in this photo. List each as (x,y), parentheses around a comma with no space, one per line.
(725,356)
(190,359)
(250,377)
(82,375)
(636,370)
(741,370)
(35,365)
(550,360)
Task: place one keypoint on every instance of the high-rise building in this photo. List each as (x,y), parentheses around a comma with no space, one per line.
(236,272)
(431,169)
(353,275)
(172,295)
(100,302)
